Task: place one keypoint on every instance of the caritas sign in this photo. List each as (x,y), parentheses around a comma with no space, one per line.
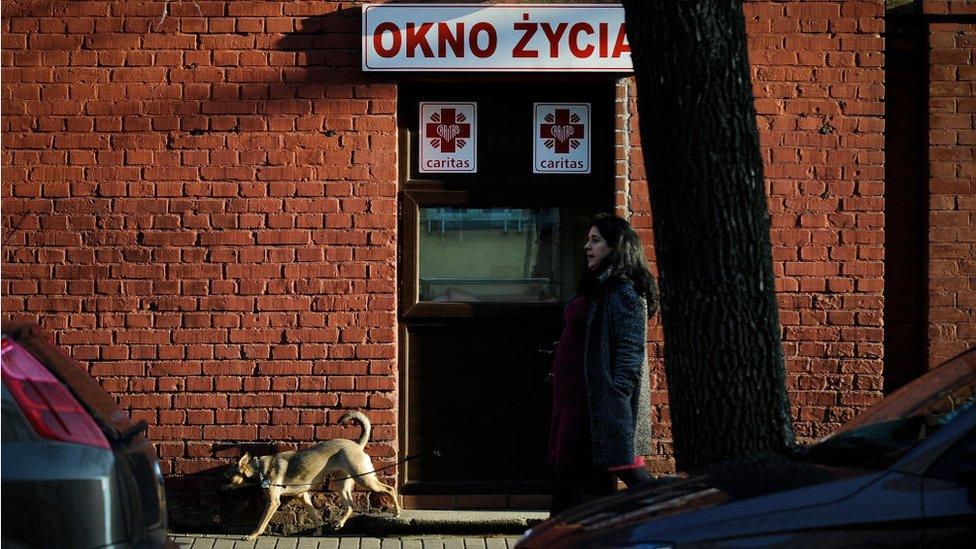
(500,37)
(448,137)
(562,138)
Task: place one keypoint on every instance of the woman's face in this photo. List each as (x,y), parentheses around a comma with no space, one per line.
(597,249)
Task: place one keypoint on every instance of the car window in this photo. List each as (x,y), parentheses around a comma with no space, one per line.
(940,391)
(904,419)
(958,463)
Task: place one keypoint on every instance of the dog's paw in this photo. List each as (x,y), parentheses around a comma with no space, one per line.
(250,537)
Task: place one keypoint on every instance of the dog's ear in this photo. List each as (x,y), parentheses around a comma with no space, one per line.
(244,459)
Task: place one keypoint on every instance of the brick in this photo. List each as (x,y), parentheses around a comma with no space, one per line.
(233,237)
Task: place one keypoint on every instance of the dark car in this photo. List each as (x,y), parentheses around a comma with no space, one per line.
(76,470)
(903,473)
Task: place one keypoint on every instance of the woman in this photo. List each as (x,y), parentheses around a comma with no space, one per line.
(601,401)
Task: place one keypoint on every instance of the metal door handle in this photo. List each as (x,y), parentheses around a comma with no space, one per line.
(547,348)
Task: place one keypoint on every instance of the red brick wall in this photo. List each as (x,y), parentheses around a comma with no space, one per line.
(202,209)
(819,85)
(952,184)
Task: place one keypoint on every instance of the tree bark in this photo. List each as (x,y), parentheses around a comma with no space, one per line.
(722,351)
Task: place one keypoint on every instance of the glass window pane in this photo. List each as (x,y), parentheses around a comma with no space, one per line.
(499,254)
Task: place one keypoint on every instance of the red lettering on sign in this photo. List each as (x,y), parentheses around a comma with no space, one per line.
(466,38)
(554,36)
(574,44)
(378,39)
(417,39)
(621,46)
(528,30)
(445,39)
(603,40)
(476,48)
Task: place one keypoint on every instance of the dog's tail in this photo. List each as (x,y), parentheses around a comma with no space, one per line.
(364,421)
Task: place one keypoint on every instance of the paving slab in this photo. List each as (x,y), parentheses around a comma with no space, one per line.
(211,541)
(455,522)
(413,529)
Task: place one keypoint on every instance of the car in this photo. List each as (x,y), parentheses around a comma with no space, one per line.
(902,473)
(76,470)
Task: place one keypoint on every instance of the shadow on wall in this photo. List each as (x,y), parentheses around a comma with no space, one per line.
(906,197)
(310,78)
(227,109)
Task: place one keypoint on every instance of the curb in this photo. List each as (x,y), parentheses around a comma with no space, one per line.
(412,522)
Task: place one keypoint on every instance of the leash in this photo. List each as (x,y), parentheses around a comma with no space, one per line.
(266,483)
(437,451)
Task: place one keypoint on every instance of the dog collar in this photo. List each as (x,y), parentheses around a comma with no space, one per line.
(265,483)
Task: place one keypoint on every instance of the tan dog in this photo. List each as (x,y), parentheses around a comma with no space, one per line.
(298,472)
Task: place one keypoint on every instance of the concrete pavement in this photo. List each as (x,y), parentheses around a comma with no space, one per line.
(186,541)
(413,529)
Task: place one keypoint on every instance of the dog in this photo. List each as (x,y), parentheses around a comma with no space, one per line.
(298,472)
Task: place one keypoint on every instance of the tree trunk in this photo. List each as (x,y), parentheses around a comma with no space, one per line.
(722,351)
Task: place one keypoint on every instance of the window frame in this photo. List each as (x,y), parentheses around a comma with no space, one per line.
(412,201)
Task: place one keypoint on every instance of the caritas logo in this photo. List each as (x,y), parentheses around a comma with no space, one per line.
(565,130)
(449,130)
(448,138)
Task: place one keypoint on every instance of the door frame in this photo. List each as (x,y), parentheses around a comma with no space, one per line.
(468,190)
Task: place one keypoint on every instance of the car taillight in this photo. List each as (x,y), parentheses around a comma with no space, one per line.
(48,405)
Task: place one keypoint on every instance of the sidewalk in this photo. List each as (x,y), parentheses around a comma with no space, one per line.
(351,542)
(413,529)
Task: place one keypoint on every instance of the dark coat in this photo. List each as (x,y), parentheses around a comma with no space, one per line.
(617,379)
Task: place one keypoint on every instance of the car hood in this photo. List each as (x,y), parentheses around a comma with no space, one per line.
(775,482)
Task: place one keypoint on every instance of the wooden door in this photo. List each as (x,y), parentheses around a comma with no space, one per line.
(487,262)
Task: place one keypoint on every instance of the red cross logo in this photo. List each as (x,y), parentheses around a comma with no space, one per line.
(562,131)
(448,131)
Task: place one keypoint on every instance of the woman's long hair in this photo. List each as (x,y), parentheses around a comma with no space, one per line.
(626,260)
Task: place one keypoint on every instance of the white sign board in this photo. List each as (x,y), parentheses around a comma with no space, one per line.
(561,142)
(448,138)
(497,37)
